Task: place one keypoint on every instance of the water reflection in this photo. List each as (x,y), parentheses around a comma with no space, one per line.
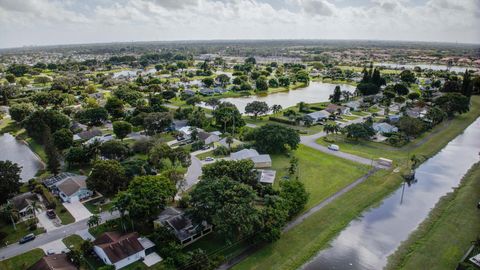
(367,242)
(17,152)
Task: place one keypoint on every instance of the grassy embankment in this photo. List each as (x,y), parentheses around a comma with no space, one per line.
(298,245)
(443,238)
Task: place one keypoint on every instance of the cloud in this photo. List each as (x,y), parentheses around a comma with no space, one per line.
(317,7)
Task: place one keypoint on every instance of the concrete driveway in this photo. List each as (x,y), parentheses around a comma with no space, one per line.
(46,223)
(78,210)
(54,247)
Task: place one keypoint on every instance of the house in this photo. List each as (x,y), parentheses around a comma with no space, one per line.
(120,250)
(54,262)
(23,204)
(260,161)
(219,90)
(186,131)
(184,229)
(394,118)
(70,187)
(354,105)
(207,92)
(266,176)
(87,134)
(76,127)
(100,139)
(189,93)
(384,128)
(337,109)
(416,112)
(208,138)
(319,115)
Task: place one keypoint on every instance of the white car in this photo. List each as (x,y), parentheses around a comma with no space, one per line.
(334,147)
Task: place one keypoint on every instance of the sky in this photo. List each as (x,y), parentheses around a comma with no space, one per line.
(51,22)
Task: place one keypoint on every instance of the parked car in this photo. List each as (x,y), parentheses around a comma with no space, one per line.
(209,159)
(205,147)
(334,147)
(27,238)
(51,214)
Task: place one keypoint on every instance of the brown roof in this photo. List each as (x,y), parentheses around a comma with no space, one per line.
(202,135)
(118,246)
(72,184)
(23,200)
(333,108)
(54,262)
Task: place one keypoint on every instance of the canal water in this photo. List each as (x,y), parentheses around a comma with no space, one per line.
(17,152)
(367,242)
(314,92)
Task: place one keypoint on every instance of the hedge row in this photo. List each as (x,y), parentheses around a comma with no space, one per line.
(282,120)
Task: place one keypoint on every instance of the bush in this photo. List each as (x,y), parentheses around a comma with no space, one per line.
(51,202)
(282,120)
(221,151)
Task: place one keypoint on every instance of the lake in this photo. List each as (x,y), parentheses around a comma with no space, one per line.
(368,241)
(18,152)
(313,93)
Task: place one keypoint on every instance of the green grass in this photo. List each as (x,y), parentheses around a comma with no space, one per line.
(212,244)
(37,149)
(97,208)
(298,245)
(13,235)
(315,171)
(22,261)
(434,245)
(73,240)
(138,265)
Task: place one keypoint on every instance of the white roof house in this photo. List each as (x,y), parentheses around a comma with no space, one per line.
(244,154)
(266,176)
(260,161)
(384,128)
(319,115)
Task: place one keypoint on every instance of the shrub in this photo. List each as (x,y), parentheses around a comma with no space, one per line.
(282,120)
(221,151)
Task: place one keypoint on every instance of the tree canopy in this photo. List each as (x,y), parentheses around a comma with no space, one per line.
(273,138)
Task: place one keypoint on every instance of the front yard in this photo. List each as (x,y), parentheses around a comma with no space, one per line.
(23,261)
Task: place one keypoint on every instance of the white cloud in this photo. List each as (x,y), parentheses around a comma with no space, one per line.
(39,22)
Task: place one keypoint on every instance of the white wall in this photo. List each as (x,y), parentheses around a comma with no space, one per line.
(133,258)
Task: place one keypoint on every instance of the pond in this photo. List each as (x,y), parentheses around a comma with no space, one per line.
(313,93)
(18,152)
(426,66)
(367,242)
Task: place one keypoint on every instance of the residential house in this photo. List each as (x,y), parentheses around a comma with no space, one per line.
(260,161)
(354,105)
(182,226)
(416,112)
(189,93)
(337,109)
(207,92)
(87,134)
(208,138)
(54,262)
(100,139)
(394,118)
(383,128)
(319,115)
(266,176)
(186,131)
(70,187)
(23,204)
(219,90)
(120,250)
(76,127)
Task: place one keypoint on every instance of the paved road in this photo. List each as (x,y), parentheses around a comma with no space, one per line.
(45,238)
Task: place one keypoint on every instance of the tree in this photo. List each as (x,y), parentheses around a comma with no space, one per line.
(18,69)
(400,89)
(295,196)
(53,159)
(63,138)
(223,79)
(9,180)
(77,155)
(7,91)
(411,126)
(337,94)
(107,177)
(261,84)
(122,129)
(241,171)
(20,111)
(272,139)
(162,151)
(435,115)
(39,120)
(23,82)
(229,141)
(193,100)
(114,107)
(42,79)
(273,83)
(208,82)
(467,84)
(359,131)
(213,102)
(331,128)
(114,150)
(227,116)
(302,76)
(10,78)
(227,204)
(452,103)
(257,108)
(276,108)
(407,76)
(94,220)
(413,96)
(368,89)
(157,122)
(93,116)
(274,216)
(148,196)
(284,81)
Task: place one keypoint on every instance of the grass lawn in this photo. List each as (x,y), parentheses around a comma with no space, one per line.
(22,261)
(322,174)
(212,244)
(13,235)
(433,245)
(298,245)
(63,213)
(95,208)
(260,121)
(73,240)
(138,265)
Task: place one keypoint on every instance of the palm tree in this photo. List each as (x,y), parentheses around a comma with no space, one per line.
(276,108)
(229,141)
(34,205)
(94,221)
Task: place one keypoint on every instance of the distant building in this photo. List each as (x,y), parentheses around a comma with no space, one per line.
(184,229)
(120,250)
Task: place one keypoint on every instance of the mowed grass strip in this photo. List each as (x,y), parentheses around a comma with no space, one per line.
(298,245)
(322,174)
(22,261)
(442,239)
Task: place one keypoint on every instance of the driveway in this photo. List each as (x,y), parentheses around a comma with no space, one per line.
(54,247)
(78,210)
(46,223)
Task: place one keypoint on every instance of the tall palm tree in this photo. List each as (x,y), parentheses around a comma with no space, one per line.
(94,221)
